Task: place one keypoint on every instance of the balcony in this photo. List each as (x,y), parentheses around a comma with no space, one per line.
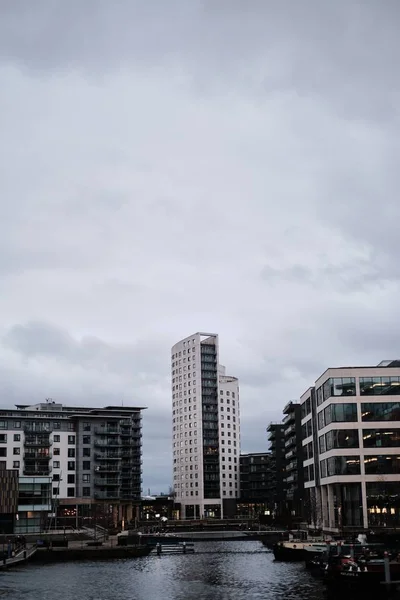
(107,481)
(290,430)
(291,466)
(107,456)
(289,454)
(38,441)
(38,471)
(37,456)
(290,442)
(292,478)
(106,430)
(107,469)
(107,495)
(107,443)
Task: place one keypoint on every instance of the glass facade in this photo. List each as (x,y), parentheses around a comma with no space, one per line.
(385,464)
(336,413)
(381,438)
(380,411)
(336,386)
(347,501)
(306,430)
(383,504)
(379,386)
(339,438)
(209,393)
(340,465)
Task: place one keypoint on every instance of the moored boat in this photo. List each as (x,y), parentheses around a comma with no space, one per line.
(298,551)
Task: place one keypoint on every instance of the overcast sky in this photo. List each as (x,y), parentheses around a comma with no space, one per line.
(174,166)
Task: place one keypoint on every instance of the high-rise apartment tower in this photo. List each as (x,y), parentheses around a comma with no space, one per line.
(206,429)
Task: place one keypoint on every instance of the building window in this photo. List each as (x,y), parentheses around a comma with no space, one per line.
(342,438)
(17,437)
(85,451)
(71,492)
(339,386)
(380,411)
(379,386)
(56,464)
(86,439)
(344,465)
(56,425)
(56,477)
(71,439)
(3,424)
(55,491)
(16,464)
(71,465)
(86,478)
(17,424)
(86,427)
(71,452)
(340,465)
(17,451)
(71,479)
(3,438)
(86,492)
(382,465)
(337,413)
(86,465)
(56,451)
(381,438)
(56,438)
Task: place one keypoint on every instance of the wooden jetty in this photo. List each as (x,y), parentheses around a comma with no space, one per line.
(181,548)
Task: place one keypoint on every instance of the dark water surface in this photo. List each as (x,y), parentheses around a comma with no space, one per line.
(217,571)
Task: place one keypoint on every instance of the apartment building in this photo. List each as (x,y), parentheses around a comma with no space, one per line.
(294,475)
(8,500)
(72,461)
(205,429)
(351,440)
(277,483)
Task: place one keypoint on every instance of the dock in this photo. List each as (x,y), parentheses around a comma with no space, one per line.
(19,558)
(181,548)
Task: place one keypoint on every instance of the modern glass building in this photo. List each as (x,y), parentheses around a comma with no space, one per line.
(351,443)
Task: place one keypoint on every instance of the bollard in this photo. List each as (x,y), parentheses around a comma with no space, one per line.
(184,547)
(158,546)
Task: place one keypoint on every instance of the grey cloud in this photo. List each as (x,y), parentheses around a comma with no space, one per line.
(345,52)
(169,167)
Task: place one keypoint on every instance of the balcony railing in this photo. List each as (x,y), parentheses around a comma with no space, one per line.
(110,468)
(37,472)
(37,456)
(110,443)
(106,430)
(38,441)
(107,481)
(107,495)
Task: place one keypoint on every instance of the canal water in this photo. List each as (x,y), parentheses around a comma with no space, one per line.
(216,571)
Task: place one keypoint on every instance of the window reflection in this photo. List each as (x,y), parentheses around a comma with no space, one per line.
(381,438)
(336,386)
(384,464)
(340,465)
(379,386)
(380,411)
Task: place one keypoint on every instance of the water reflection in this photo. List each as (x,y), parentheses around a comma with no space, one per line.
(217,571)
